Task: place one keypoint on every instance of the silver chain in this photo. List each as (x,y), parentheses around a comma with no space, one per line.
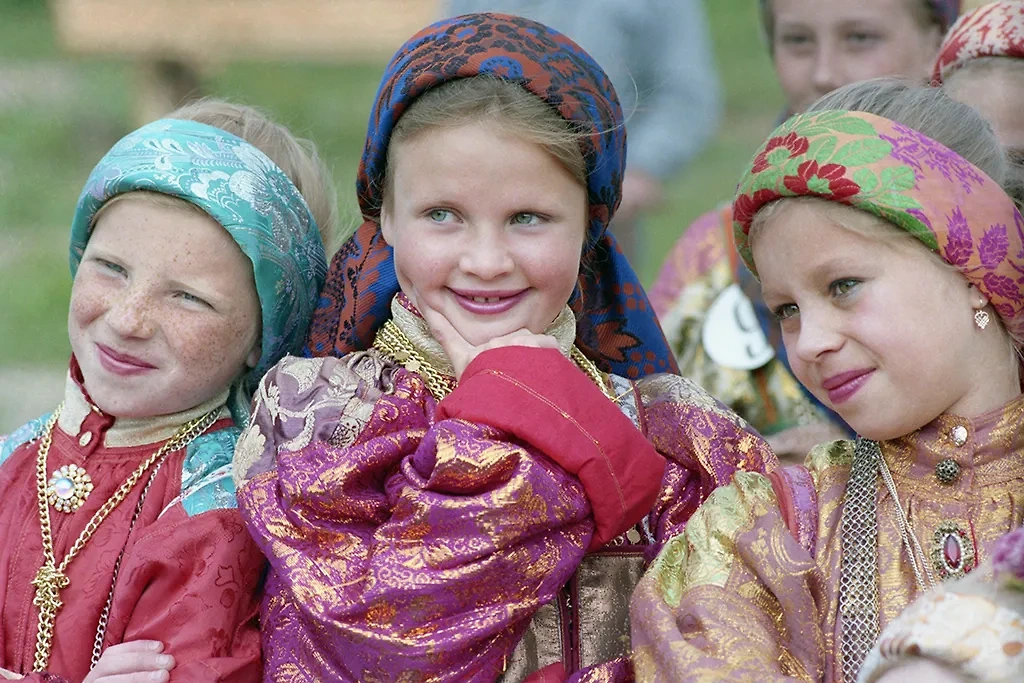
(858,585)
(918,560)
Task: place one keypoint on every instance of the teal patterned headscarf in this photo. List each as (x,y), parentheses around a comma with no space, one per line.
(243,190)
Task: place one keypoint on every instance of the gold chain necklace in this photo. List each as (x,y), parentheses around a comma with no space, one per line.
(51,579)
(396,345)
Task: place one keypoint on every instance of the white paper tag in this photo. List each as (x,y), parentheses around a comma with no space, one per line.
(731,335)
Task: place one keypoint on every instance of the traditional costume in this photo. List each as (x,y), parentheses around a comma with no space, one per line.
(118,529)
(792,575)
(973,628)
(723,336)
(418,528)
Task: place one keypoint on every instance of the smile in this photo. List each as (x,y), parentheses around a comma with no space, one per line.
(120,363)
(488,303)
(843,386)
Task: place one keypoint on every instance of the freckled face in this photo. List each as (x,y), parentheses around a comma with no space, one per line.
(877,330)
(164,313)
(821,45)
(487,229)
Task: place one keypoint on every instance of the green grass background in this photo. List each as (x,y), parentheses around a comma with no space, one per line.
(60,113)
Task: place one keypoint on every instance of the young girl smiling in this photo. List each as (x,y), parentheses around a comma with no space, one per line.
(465,493)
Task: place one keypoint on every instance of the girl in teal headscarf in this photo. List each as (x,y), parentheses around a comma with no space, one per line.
(197,260)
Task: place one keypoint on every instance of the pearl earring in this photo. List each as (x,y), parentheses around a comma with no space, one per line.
(981,319)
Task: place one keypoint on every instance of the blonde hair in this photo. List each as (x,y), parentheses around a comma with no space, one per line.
(296,156)
(504,104)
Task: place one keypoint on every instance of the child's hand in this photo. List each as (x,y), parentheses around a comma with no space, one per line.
(461,353)
(137,661)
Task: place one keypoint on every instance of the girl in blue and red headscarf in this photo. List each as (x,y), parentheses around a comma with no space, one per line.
(468,485)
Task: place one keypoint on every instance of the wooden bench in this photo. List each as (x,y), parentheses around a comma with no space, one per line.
(170,39)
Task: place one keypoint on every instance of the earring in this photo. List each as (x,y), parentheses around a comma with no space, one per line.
(981,319)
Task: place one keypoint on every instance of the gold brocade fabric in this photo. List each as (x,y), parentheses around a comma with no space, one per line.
(737,596)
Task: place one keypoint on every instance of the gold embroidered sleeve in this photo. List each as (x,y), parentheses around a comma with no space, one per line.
(732,598)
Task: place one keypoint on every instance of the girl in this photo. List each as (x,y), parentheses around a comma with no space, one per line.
(893,258)
(981,63)
(428,499)
(707,301)
(196,264)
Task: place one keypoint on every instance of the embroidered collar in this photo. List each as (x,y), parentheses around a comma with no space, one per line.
(81,415)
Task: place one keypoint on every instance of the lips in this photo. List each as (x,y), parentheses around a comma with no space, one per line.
(842,386)
(121,363)
(487,302)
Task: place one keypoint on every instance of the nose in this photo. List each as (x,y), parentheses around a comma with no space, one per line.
(826,75)
(486,255)
(819,334)
(131,314)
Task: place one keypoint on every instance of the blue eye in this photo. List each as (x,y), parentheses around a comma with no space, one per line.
(112,267)
(439,215)
(192,298)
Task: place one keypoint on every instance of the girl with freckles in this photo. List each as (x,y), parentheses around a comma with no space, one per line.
(468,486)
(123,556)
(884,228)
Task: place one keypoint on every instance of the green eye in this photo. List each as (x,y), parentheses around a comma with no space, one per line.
(525,218)
(842,287)
(439,215)
(785,311)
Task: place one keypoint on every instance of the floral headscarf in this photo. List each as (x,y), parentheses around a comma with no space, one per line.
(616,325)
(240,188)
(894,172)
(993,30)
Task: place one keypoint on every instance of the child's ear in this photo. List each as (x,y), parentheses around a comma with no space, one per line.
(254,356)
(387,225)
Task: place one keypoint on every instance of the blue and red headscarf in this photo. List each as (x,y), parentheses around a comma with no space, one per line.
(616,326)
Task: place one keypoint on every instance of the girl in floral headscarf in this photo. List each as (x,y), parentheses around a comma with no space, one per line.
(708,302)
(196,260)
(893,258)
(465,492)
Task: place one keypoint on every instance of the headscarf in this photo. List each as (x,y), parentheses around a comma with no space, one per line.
(240,188)
(616,326)
(944,11)
(993,30)
(898,174)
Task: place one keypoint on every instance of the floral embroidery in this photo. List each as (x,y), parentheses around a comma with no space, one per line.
(901,176)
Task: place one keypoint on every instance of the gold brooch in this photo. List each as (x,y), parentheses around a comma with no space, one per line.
(68,488)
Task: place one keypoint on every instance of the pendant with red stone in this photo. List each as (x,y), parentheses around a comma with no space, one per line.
(952,551)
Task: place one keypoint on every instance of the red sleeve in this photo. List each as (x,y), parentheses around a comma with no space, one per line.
(547,402)
(192,583)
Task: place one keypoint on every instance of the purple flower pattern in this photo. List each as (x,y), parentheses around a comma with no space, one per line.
(919,152)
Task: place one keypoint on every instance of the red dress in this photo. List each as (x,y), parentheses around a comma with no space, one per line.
(189,572)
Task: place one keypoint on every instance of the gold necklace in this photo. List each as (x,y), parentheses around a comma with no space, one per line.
(396,345)
(51,579)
